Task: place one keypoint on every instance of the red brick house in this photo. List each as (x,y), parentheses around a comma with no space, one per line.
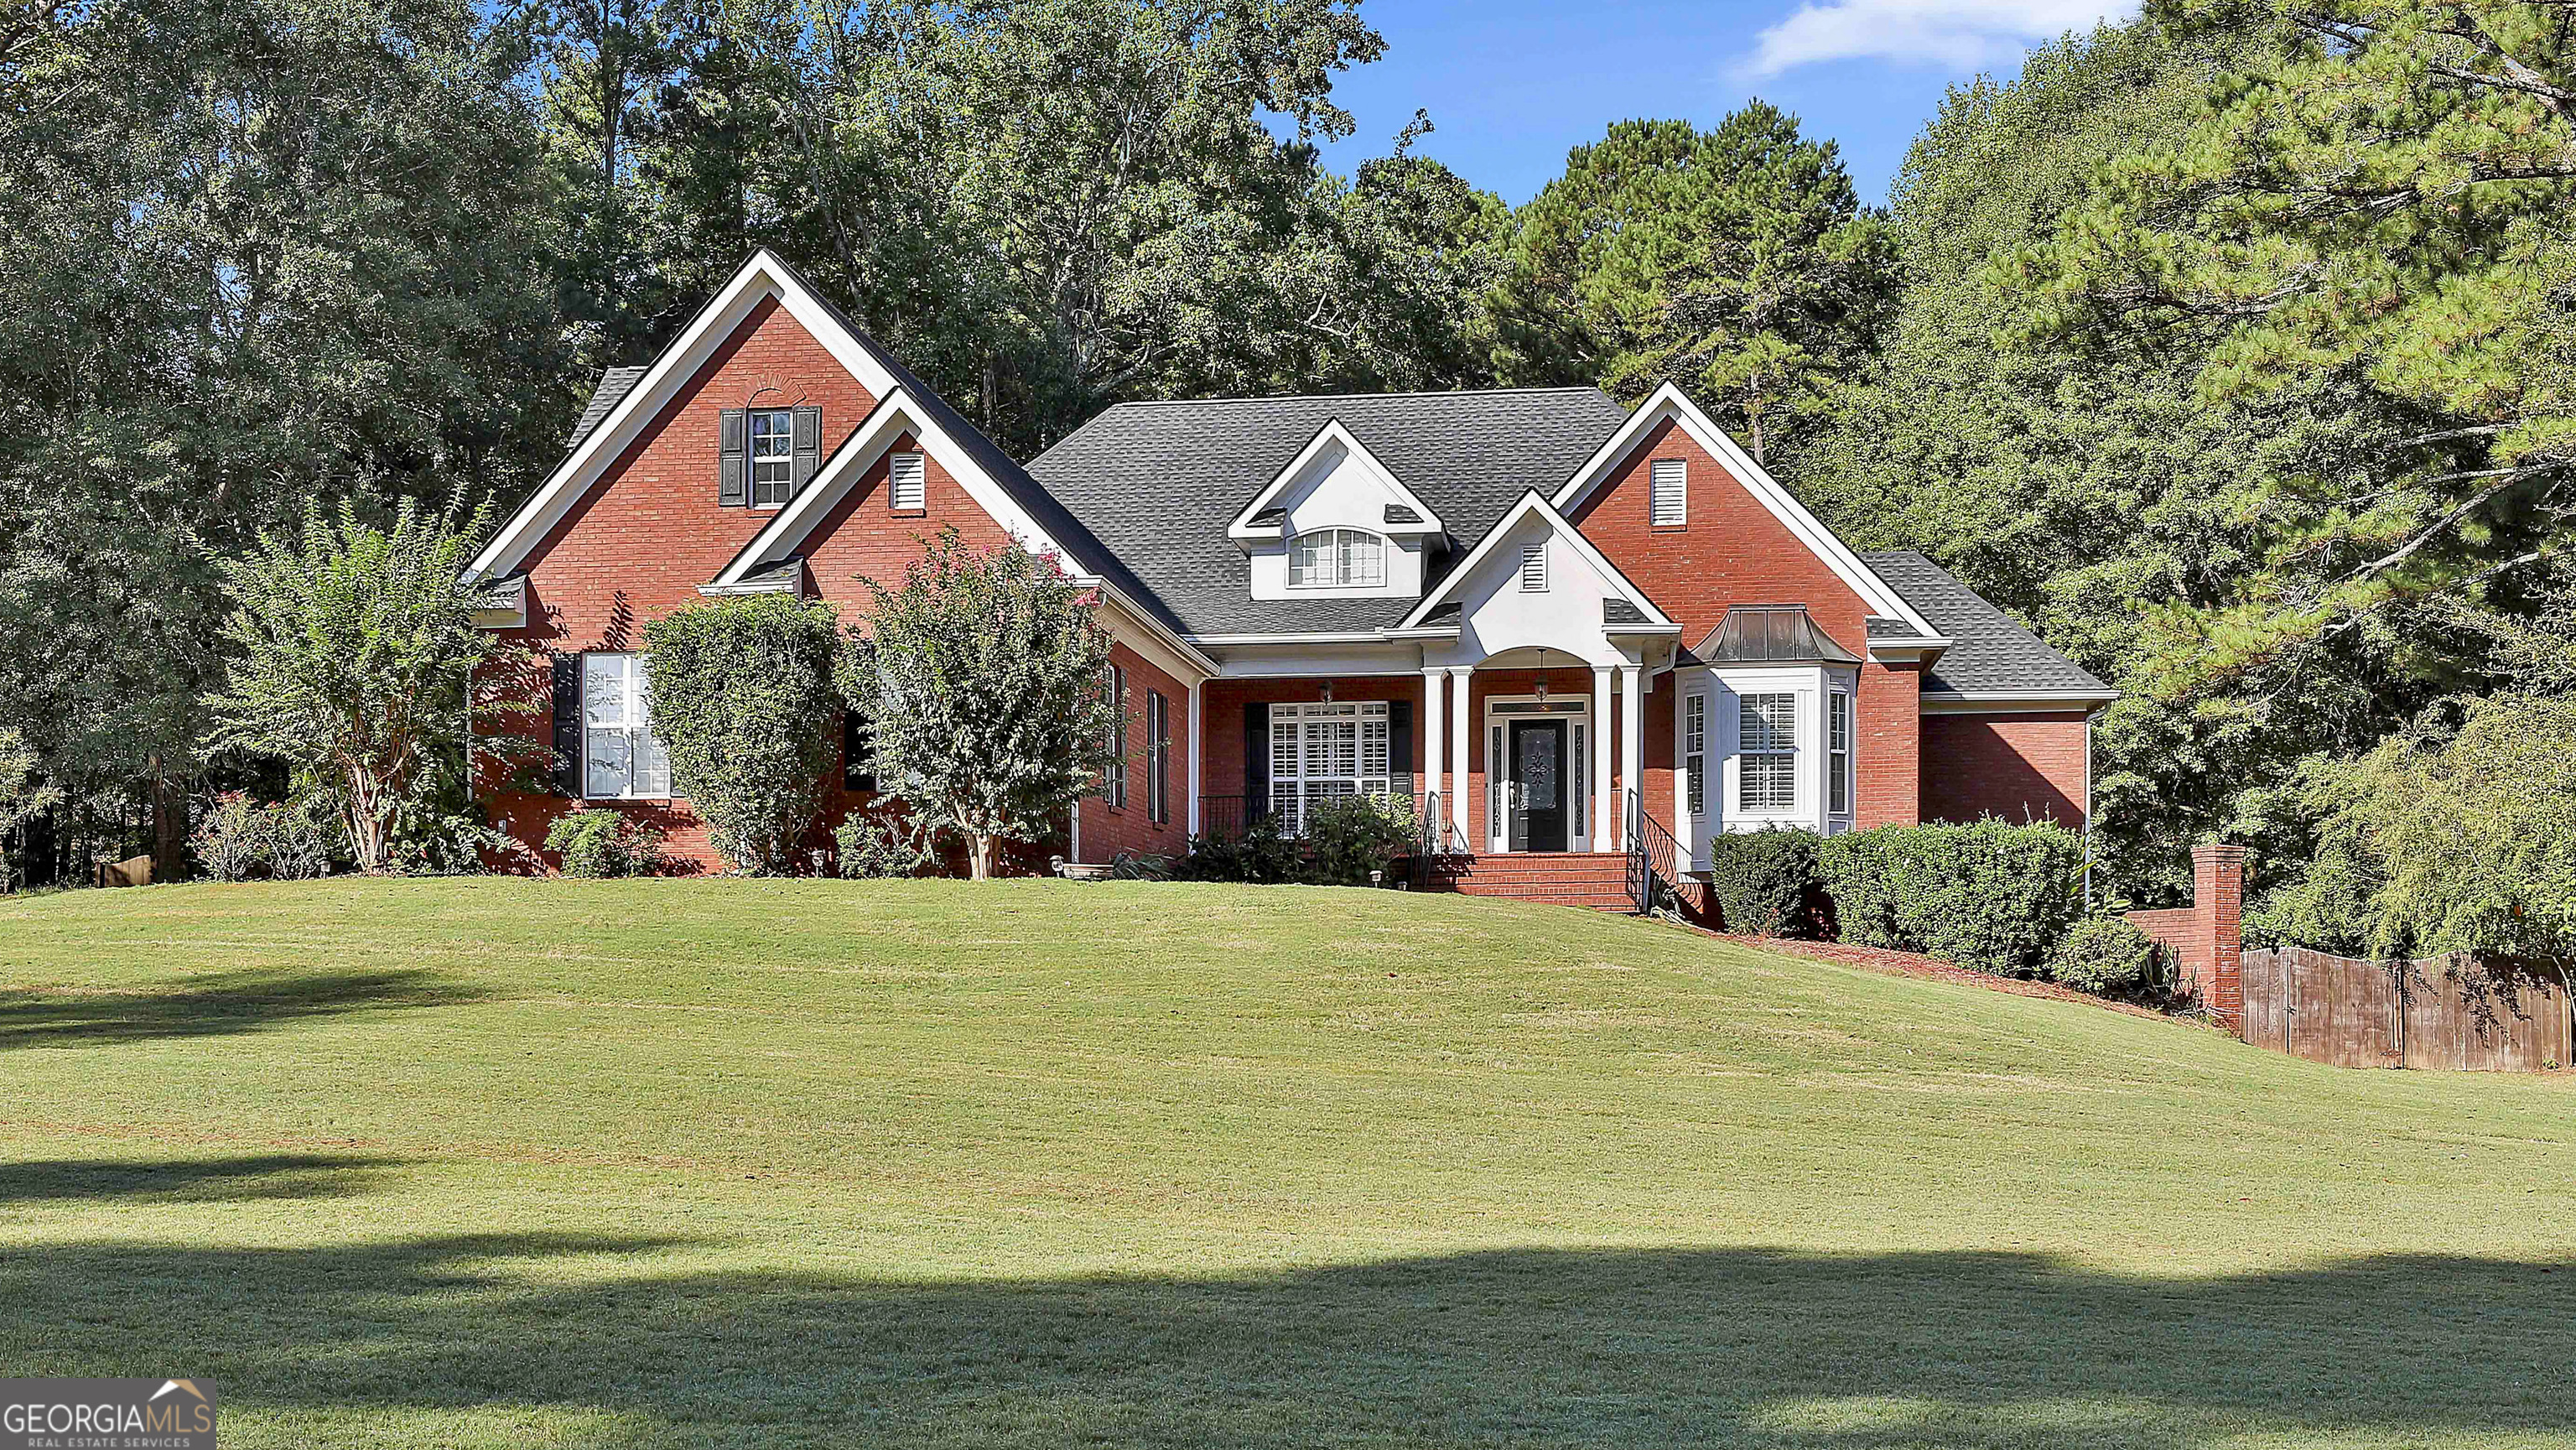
(1534,611)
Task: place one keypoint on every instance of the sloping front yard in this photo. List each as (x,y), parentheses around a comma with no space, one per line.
(785,1163)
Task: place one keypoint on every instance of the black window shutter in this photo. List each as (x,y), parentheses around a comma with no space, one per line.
(732,473)
(1256,761)
(567,707)
(858,753)
(1399,746)
(809,446)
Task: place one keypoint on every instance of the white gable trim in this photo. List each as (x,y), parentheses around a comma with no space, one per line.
(1657,622)
(1331,433)
(1669,402)
(762,277)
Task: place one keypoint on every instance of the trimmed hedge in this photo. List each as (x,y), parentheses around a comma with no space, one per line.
(1993,896)
(1767,883)
(2104,954)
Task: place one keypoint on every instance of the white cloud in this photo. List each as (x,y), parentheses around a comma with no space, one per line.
(1953,34)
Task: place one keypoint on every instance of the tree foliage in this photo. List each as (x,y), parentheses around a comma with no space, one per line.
(742,696)
(351,655)
(985,679)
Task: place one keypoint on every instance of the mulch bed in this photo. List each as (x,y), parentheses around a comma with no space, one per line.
(1910,964)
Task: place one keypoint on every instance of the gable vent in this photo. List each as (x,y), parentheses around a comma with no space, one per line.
(907,488)
(1534,568)
(1668,493)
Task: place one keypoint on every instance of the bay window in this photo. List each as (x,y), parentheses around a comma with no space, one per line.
(1767,752)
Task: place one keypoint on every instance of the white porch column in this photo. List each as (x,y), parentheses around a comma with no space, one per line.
(1434,736)
(1601,793)
(1632,735)
(1195,731)
(1460,717)
(1683,826)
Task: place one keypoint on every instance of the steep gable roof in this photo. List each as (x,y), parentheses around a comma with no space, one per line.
(1158,483)
(1404,512)
(1989,654)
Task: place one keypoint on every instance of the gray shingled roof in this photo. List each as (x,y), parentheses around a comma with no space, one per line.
(1989,653)
(1158,483)
(614,385)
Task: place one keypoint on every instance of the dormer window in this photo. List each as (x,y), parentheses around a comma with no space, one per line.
(1336,558)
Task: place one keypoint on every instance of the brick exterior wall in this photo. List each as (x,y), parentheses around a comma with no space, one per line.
(1732,551)
(2018,767)
(1105,830)
(2207,938)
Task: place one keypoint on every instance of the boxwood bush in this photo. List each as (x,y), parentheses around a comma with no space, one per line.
(1766,883)
(1993,896)
(2107,954)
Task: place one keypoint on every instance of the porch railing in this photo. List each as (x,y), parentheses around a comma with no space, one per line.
(1224,817)
(1654,861)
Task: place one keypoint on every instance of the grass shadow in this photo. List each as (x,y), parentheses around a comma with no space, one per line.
(192,1180)
(231,1002)
(1522,1347)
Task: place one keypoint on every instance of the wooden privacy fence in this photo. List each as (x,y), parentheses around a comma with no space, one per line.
(2453,1011)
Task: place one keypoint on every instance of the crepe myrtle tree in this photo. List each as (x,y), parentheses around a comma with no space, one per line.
(352,651)
(985,678)
(742,697)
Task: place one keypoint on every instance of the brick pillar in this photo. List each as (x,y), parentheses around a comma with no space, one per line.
(2218,908)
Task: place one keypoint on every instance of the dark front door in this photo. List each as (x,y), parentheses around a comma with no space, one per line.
(1538,785)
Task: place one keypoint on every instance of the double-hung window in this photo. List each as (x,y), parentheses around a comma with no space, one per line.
(1767,752)
(773,456)
(1336,558)
(1838,753)
(1326,751)
(1158,757)
(1695,753)
(621,758)
(1116,782)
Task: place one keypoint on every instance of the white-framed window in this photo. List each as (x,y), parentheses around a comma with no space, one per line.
(1114,783)
(907,481)
(773,456)
(1767,752)
(1534,567)
(1695,754)
(621,758)
(1326,751)
(1336,558)
(1838,753)
(1158,757)
(1668,493)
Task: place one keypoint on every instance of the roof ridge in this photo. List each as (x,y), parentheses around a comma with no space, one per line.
(1340,397)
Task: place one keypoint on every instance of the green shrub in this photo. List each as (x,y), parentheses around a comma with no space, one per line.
(886,847)
(1767,882)
(601,843)
(2104,954)
(742,694)
(1259,855)
(1993,895)
(1348,838)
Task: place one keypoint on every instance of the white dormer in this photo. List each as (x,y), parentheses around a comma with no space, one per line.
(1335,524)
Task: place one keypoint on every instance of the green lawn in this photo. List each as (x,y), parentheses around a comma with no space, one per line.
(1034,1164)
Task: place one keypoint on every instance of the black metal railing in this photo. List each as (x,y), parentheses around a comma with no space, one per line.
(1224,817)
(1654,861)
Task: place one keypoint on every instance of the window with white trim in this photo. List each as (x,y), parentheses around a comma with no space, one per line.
(1114,782)
(1534,568)
(1838,753)
(1326,751)
(907,481)
(773,456)
(1336,558)
(1668,493)
(1158,757)
(1695,753)
(1767,752)
(621,758)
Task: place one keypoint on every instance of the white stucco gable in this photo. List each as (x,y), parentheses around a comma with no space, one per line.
(1535,582)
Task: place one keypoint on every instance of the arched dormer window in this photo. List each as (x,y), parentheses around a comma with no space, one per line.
(1336,558)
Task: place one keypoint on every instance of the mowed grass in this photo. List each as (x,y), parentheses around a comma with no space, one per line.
(496,1162)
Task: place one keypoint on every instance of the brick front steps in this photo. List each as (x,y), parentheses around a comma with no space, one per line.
(1560,878)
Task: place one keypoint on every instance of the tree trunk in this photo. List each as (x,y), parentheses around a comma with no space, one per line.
(169,827)
(980,858)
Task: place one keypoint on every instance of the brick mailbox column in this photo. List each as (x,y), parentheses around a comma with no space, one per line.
(2218,903)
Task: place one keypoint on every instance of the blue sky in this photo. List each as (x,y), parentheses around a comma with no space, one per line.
(1511,84)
